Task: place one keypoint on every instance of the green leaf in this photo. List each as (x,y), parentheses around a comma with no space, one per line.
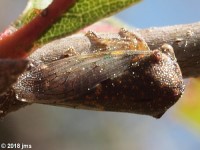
(84,12)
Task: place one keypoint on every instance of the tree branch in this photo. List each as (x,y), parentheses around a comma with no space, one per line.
(185,40)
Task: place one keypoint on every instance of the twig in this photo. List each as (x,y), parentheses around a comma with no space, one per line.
(185,40)
(9,71)
(19,43)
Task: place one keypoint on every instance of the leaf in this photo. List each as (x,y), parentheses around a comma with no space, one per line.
(84,12)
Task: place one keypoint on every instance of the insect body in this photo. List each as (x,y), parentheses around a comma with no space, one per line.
(115,73)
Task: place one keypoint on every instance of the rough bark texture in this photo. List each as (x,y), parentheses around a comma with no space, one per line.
(9,72)
(185,40)
(9,103)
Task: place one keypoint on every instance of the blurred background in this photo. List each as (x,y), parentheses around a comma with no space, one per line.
(55,128)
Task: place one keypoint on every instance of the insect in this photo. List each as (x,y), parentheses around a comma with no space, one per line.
(110,72)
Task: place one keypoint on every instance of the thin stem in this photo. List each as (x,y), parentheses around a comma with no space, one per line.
(18,44)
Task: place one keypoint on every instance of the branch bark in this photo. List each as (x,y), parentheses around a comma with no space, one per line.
(185,40)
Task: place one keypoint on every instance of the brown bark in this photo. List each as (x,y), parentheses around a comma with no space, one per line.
(185,40)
